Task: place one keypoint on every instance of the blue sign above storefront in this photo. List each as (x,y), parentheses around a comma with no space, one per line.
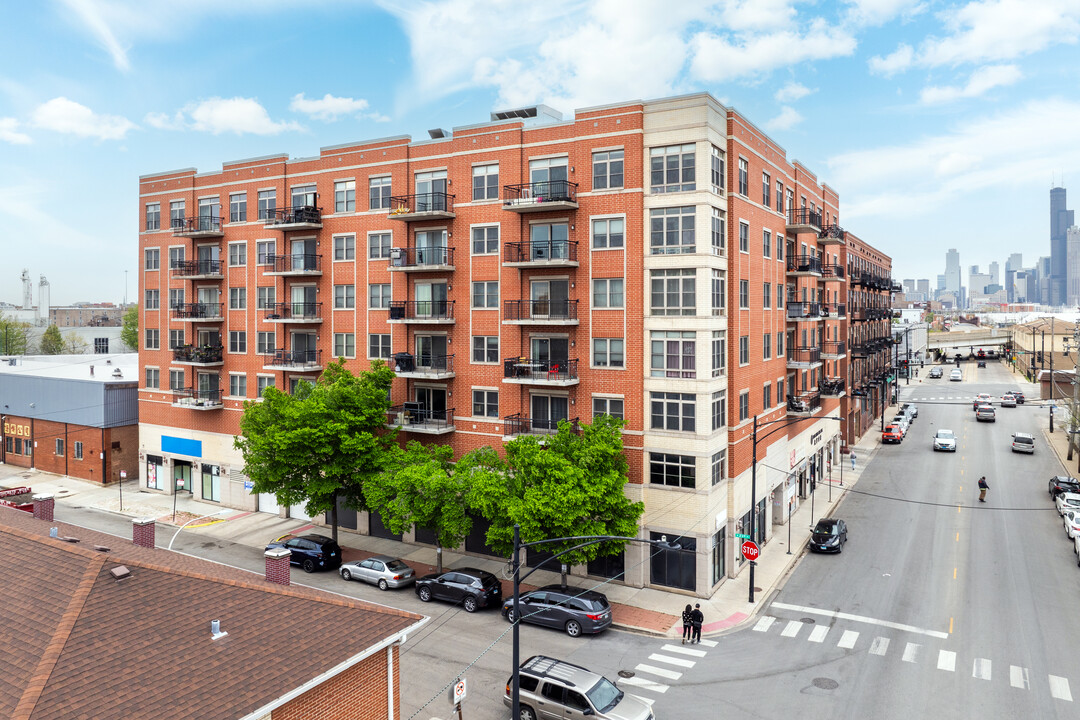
(181,446)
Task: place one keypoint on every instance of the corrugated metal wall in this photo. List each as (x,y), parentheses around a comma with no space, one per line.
(79,402)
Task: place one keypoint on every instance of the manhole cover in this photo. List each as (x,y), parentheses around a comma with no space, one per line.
(626,673)
(825,683)
(808,621)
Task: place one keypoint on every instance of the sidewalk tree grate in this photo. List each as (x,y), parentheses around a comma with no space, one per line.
(825,683)
(626,673)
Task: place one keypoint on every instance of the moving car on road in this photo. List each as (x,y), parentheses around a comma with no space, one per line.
(471,587)
(381,570)
(980,364)
(562,690)
(945,440)
(985,413)
(1063,484)
(892,434)
(829,535)
(567,608)
(1023,443)
(311,552)
(1008,400)
(980,399)
(935,372)
(956,375)
(1018,395)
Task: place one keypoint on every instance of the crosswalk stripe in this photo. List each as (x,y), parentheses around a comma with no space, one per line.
(946,660)
(678,662)
(645,684)
(647,700)
(818,633)
(879,646)
(981,669)
(669,674)
(683,650)
(764,623)
(1018,677)
(911,652)
(708,643)
(847,640)
(1059,688)
(791,629)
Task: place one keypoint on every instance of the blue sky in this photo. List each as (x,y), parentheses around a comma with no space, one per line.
(941,124)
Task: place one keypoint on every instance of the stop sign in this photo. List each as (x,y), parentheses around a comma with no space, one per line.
(750,550)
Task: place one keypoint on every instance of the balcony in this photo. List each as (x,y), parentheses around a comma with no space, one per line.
(204,355)
(295,312)
(420,259)
(831,272)
(197,399)
(545,254)
(832,235)
(803,358)
(860,349)
(198,269)
(294,360)
(297,264)
(804,265)
(423,367)
(422,206)
(804,404)
(833,350)
(896,287)
(517,424)
(198,227)
(412,417)
(531,371)
(540,312)
(305,217)
(833,387)
(833,310)
(871,313)
(804,220)
(803,311)
(197,312)
(422,312)
(540,196)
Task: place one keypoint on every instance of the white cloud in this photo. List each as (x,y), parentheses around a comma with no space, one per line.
(161,121)
(92,16)
(791,92)
(897,61)
(879,12)
(329,107)
(67,116)
(217,115)
(981,81)
(788,118)
(720,58)
(741,15)
(9,132)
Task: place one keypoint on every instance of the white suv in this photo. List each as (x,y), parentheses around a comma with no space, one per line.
(1022,442)
(551,688)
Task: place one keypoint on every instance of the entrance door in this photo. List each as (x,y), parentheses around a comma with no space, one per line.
(303,300)
(550,298)
(547,411)
(551,353)
(303,254)
(208,256)
(268,503)
(209,338)
(431,247)
(182,476)
(431,191)
(432,401)
(210,301)
(431,299)
(303,347)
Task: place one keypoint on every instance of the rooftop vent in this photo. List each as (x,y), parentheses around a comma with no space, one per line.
(117,374)
(437,133)
(120,572)
(216,631)
(101,548)
(537,113)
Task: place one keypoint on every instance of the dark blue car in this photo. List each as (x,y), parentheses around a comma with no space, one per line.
(311,552)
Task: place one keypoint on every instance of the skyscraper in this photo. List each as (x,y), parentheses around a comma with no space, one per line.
(994,273)
(1013,265)
(952,271)
(923,286)
(1072,265)
(1061,219)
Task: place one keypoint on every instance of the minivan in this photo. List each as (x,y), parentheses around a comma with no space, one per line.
(1022,442)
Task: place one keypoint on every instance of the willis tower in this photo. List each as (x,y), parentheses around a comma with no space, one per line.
(1061,219)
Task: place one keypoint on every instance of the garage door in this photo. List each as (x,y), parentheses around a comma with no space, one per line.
(268,503)
(297,512)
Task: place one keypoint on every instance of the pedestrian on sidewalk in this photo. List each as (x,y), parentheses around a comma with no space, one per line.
(853,459)
(696,619)
(687,622)
(983,487)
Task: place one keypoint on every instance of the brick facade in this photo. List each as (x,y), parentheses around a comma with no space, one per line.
(359,693)
(75,450)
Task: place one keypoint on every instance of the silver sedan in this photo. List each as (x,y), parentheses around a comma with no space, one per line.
(382,570)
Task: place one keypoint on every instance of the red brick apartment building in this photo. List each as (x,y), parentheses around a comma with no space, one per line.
(715,287)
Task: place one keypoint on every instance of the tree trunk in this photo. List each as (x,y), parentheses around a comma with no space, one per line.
(334,515)
(438,558)
(562,571)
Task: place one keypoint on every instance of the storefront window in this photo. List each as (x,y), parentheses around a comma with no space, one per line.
(211,483)
(674,568)
(718,560)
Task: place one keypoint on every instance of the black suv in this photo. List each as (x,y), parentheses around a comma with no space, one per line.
(563,607)
(1063,484)
(1019,396)
(471,587)
(311,552)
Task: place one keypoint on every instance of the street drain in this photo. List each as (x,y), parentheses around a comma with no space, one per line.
(808,621)
(825,683)
(626,673)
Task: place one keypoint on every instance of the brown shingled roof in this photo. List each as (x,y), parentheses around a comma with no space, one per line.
(79,644)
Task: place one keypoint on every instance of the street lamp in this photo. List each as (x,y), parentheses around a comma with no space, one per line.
(203,517)
(515,694)
(753,473)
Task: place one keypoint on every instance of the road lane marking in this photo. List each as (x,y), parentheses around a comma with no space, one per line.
(950,626)
(669,674)
(1018,677)
(708,643)
(673,661)
(954,573)
(957,537)
(791,629)
(981,669)
(946,660)
(646,700)
(1059,688)
(683,650)
(860,618)
(879,646)
(818,633)
(847,640)
(764,623)
(911,652)
(645,684)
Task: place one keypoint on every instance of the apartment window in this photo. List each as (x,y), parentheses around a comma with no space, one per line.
(378,346)
(766,295)
(345,247)
(780,289)
(673,354)
(719,461)
(237,385)
(766,396)
(780,396)
(780,344)
(237,254)
(379,193)
(101,346)
(744,405)
(176,213)
(237,341)
(716,232)
(766,243)
(152,257)
(176,257)
(672,470)
(78,450)
(264,251)
(608,293)
(485,403)
(344,297)
(673,292)
(719,410)
(265,342)
(718,292)
(176,339)
(766,189)
(152,300)
(153,378)
(267,204)
(744,349)
(303,196)
(607,406)
(176,298)
(485,182)
(265,298)
(237,207)
(608,233)
(779,196)
(672,411)
(176,379)
(485,295)
(485,348)
(790,195)
(344,345)
(152,339)
(744,177)
(153,216)
(485,240)
(607,170)
(779,247)
(716,169)
(672,168)
(744,294)
(379,296)
(262,382)
(719,353)
(671,230)
(766,346)
(608,352)
(378,247)
(237,298)
(345,196)
(744,237)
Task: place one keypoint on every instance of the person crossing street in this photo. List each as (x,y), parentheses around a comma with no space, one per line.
(983,487)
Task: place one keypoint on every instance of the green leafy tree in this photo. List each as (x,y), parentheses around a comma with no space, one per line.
(14,336)
(129,332)
(75,343)
(323,442)
(52,342)
(571,484)
(419,489)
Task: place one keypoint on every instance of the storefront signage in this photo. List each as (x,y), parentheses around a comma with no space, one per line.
(16,430)
(815,438)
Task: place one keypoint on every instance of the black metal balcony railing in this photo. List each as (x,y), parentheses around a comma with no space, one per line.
(895,286)
(833,310)
(832,386)
(296,262)
(521,252)
(517,424)
(412,417)
(534,369)
(421,203)
(804,216)
(833,231)
(540,192)
(198,354)
(296,358)
(557,310)
(422,309)
(860,349)
(806,402)
(293,311)
(186,268)
(832,270)
(803,263)
(833,347)
(420,256)
(201,224)
(302,215)
(196,396)
(197,310)
(804,355)
(803,310)
(423,363)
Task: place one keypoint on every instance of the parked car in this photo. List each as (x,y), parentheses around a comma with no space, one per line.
(567,608)
(1076,548)
(911,409)
(470,587)
(945,440)
(564,690)
(956,375)
(1063,484)
(1071,520)
(829,535)
(1018,395)
(1022,442)
(935,372)
(1067,501)
(311,552)
(381,570)
(1008,400)
(892,434)
(903,421)
(980,399)
(985,413)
